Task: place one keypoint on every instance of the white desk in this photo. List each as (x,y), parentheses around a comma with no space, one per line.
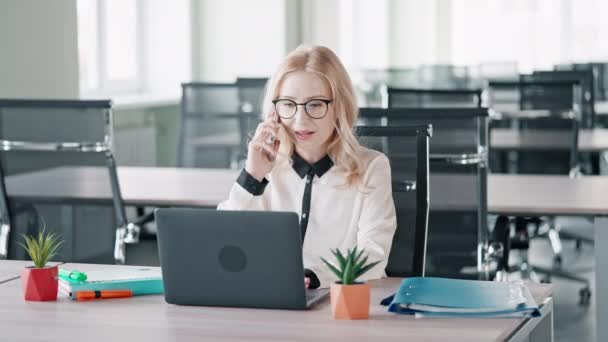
(9,270)
(507,194)
(149,318)
(589,140)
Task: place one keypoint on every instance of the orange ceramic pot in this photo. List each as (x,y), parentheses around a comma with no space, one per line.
(350,301)
(40,284)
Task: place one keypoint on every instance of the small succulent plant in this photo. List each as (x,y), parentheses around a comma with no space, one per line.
(42,248)
(350,266)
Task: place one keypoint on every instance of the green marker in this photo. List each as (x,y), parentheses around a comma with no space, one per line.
(73,275)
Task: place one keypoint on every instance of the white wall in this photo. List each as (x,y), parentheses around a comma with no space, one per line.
(240,38)
(412,33)
(39,49)
(166,46)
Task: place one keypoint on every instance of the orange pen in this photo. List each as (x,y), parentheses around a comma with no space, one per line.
(89,295)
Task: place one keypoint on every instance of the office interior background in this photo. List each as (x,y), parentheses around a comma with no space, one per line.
(139,53)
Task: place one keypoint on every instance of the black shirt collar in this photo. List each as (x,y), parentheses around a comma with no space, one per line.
(302,167)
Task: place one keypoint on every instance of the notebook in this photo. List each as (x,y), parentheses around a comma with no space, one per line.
(430,296)
(141,281)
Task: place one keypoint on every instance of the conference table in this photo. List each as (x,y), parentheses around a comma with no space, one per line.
(507,194)
(150,318)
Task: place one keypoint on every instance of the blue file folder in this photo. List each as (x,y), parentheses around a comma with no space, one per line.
(427,296)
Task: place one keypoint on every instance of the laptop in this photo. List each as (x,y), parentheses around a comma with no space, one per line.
(233,259)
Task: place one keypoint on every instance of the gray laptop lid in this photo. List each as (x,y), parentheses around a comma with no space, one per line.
(231,258)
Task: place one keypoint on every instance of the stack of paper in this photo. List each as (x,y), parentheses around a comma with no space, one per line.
(463,298)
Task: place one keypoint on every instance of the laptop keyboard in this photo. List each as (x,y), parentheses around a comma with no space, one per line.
(316,295)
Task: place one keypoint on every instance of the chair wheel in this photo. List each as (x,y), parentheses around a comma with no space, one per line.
(585,296)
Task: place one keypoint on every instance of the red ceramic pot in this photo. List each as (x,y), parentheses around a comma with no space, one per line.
(39,284)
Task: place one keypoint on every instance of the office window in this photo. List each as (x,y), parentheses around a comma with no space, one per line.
(589,30)
(537,34)
(109,34)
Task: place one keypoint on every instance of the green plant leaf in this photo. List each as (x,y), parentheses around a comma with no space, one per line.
(332,268)
(347,274)
(366,268)
(41,248)
(359,256)
(341,260)
(361,263)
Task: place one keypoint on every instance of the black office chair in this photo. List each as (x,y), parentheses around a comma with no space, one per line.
(587,90)
(409,168)
(458,232)
(562,158)
(514,101)
(251,96)
(561,100)
(600,76)
(210,134)
(432,98)
(41,135)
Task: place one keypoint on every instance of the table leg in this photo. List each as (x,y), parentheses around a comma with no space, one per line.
(600,294)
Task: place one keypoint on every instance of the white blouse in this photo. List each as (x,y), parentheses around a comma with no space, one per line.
(338,216)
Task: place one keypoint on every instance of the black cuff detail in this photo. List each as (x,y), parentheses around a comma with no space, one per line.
(314,280)
(252,185)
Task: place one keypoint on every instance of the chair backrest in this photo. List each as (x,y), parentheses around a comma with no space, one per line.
(210,133)
(410,192)
(251,93)
(432,98)
(458,176)
(529,93)
(251,97)
(552,146)
(555,96)
(40,135)
(503,95)
(585,98)
(600,76)
(561,99)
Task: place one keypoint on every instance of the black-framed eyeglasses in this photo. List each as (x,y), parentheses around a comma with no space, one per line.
(315,108)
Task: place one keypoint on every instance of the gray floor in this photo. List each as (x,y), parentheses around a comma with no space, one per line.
(572,321)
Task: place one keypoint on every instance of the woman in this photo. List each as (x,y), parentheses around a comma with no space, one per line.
(305,158)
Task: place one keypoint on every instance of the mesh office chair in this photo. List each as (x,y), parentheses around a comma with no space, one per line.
(458,233)
(600,76)
(251,96)
(432,98)
(41,136)
(549,146)
(587,90)
(409,168)
(514,101)
(210,134)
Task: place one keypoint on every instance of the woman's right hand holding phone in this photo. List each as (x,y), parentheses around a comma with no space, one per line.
(263,148)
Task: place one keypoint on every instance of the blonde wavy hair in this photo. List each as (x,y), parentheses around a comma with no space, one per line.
(343,147)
